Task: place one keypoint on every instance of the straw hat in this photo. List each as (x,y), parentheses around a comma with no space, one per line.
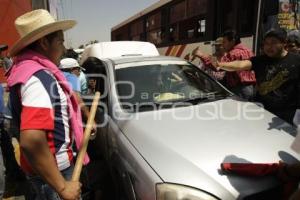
(34,25)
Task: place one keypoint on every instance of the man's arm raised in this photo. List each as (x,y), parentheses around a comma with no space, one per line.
(235,65)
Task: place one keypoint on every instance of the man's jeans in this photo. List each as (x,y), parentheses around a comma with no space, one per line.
(244,91)
(2,175)
(43,190)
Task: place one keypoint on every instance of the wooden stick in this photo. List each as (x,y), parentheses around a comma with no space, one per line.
(86,138)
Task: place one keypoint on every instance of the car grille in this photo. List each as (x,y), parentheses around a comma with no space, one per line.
(274,194)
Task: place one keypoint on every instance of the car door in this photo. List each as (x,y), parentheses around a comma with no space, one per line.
(96,70)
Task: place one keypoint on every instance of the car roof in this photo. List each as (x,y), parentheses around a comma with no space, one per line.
(123,60)
(109,50)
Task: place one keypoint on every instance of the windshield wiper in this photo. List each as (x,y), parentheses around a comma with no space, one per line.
(150,106)
(141,107)
(206,98)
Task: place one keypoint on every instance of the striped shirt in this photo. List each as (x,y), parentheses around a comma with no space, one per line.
(41,104)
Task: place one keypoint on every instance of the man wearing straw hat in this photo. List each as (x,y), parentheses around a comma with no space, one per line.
(44,107)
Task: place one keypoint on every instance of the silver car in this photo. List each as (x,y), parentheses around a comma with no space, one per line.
(166,127)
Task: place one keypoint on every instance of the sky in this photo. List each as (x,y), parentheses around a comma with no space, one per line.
(95,18)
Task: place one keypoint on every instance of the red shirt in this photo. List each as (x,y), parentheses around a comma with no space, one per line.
(239,52)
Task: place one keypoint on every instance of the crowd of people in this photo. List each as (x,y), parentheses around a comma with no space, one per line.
(46,84)
(272,78)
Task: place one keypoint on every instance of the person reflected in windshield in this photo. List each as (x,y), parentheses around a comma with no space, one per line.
(166,82)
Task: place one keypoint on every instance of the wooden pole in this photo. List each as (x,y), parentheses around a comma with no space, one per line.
(86,138)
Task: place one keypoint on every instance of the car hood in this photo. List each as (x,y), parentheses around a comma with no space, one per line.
(187,145)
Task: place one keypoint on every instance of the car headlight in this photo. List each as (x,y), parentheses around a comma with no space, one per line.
(179,192)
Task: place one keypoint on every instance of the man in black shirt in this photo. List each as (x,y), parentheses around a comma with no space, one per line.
(277,73)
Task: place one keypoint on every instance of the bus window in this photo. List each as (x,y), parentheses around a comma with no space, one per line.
(136,30)
(174,33)
(177,12)
(153,21)
(196,7)
(153,27)
(188,20)
(154,36)
(121,34)
(192,28)
(247,16)
(228,15)
(238,15)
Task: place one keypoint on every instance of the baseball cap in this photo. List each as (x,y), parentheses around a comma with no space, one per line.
(68,63)
(280,34)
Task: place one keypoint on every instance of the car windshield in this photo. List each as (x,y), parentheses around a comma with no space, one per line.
(148,85)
